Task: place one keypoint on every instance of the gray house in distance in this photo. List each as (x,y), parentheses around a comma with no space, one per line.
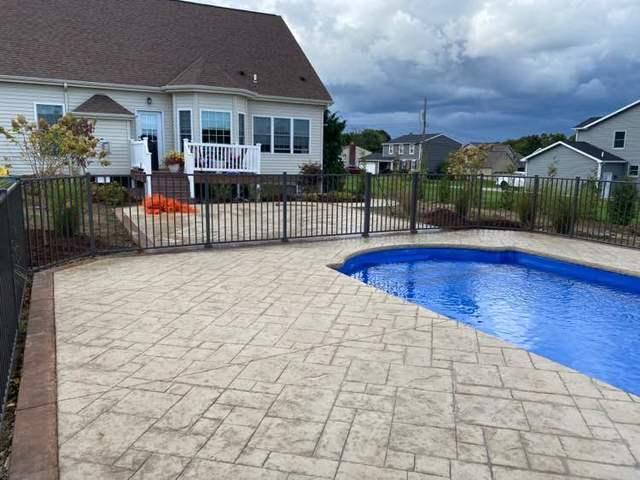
(606,148)
(424,152)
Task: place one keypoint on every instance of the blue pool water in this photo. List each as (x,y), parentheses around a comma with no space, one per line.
(585,318)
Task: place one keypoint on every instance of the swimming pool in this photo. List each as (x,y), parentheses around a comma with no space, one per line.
(582,317)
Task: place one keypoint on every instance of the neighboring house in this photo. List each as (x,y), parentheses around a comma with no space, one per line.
(424,152)
(168,72)
(376,163)
(352,154)
(605,148)
(501,158)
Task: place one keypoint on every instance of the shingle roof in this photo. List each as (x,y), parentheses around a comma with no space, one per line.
(587,122)
(102,104)
(583,147)
(413,138)
(155,43)
(594,151)
(377,156)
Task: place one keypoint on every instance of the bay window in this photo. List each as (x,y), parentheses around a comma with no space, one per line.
(216,127)
(262,133)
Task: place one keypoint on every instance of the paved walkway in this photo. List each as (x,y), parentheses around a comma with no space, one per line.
(262,363)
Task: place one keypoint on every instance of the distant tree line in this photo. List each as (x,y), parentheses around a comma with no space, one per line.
(369,139)
(530,143)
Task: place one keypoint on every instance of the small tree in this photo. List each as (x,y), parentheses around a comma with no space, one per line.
(623,203)
(49,150)
(468,160)
(332,150)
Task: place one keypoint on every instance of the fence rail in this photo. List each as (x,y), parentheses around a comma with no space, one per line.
(13,276)
(73,217)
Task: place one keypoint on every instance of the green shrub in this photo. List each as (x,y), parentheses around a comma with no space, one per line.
(110,194)
(623,203)
(220,193)
(561,214)
(463,201)
(524,207)
(64,205)
(507,196)
(444,190)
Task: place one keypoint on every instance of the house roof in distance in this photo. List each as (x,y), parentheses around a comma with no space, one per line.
(590,122)
(102,104)
(155,43)
(585,148)
(414,138)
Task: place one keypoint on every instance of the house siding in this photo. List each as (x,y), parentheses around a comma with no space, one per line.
(17,99)
(436,151)
(134,102)
(569,164)
(275,163)
(117,133)
(602,135)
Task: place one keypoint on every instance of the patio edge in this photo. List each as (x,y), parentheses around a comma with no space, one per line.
(34,451)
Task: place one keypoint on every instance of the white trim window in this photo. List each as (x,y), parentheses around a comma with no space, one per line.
(185,126)
(215,126)
(241,128)
(412,149)
(619,139)
(401,148)
(281,135)
(634,170)
(301,135)
(390,149)
(49,112)
(262,133)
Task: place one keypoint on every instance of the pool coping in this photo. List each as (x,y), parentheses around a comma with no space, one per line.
(460,246)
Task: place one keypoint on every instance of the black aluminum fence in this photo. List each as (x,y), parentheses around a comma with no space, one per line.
(13,277)
(74,217)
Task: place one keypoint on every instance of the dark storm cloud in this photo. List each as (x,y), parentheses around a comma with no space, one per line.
(491,69)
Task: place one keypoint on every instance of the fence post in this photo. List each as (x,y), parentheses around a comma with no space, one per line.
(534,207)
(207,212)
(284,207)
(574,207)
(480,199)
(367,204)
(413,209)
(92,233)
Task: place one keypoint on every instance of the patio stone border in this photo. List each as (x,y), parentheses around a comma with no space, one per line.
(34,453)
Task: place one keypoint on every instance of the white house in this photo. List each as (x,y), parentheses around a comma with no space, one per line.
(217,81)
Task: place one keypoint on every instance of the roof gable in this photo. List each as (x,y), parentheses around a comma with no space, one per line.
(155,43)
(590,122)
(414,138)
(102,104)
(584,148)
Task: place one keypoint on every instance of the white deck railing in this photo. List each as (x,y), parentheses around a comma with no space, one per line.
(219,158)
(141,159)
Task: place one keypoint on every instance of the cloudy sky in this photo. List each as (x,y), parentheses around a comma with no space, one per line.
(490,69)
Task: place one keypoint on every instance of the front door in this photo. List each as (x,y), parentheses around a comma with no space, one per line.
(607,177)
(149,125)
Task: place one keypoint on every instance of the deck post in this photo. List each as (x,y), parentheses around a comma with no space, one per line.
(367,204)
(413,209)
(285,237)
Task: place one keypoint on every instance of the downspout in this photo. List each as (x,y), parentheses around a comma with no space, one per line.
(65,86)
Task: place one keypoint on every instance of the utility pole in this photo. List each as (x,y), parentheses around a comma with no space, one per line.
(423,117)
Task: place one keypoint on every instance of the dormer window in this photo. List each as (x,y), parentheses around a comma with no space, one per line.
(390,149)
(619,138)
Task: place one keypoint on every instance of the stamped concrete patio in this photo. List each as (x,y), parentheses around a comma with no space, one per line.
(262,363)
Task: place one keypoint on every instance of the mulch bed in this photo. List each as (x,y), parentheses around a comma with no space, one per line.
(443,217)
